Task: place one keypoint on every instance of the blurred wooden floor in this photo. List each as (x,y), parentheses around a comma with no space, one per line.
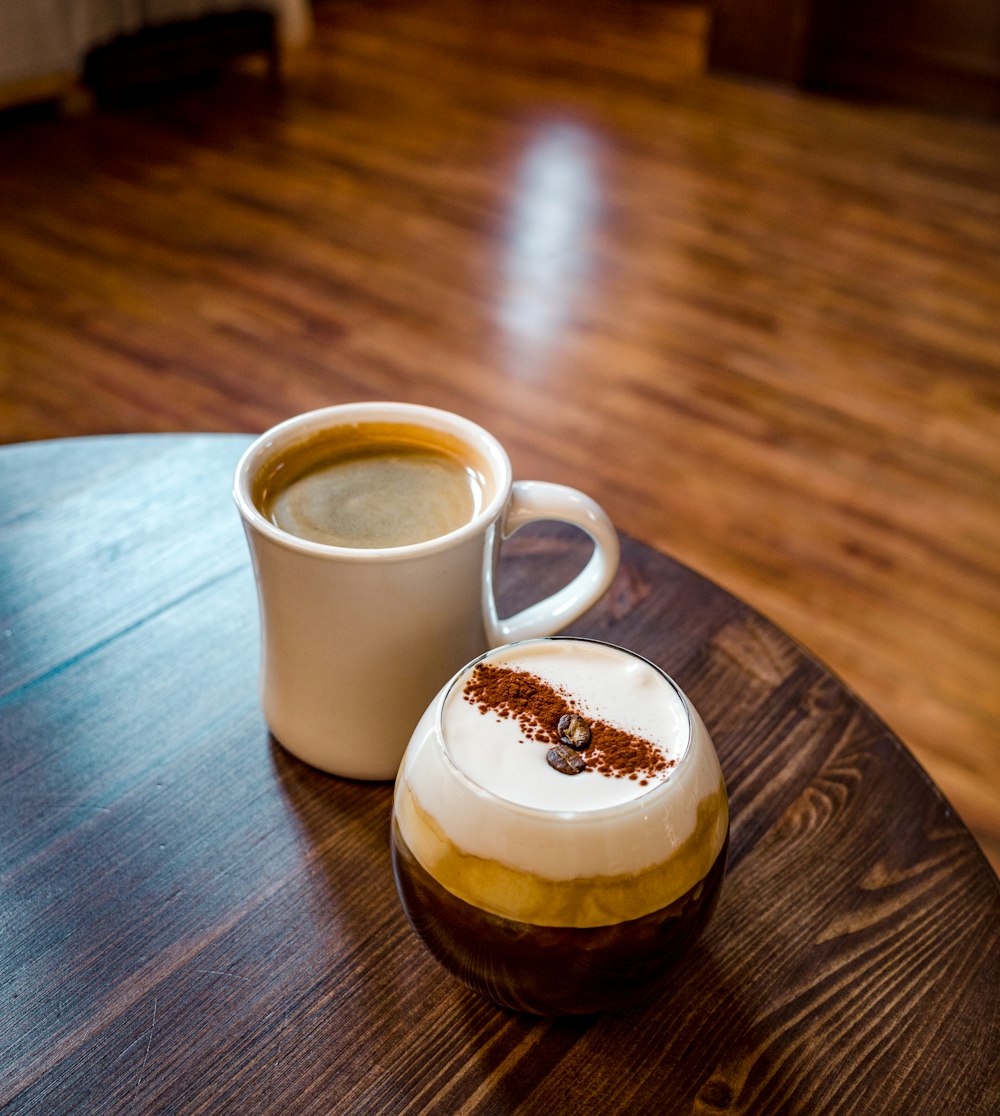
(763,329)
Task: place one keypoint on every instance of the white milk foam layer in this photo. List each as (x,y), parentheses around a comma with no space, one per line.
(492,795)
(602,683)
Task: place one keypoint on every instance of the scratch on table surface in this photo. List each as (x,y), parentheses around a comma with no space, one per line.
(149,1043)
(222,972)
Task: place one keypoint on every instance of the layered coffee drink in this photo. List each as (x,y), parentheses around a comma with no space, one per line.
(560,826)
(372,485)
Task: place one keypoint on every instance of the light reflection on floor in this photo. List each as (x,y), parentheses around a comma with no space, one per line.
(554,206)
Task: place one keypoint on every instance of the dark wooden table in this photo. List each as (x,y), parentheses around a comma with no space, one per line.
(193,921)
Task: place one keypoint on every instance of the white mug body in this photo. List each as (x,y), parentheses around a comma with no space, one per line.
(351,652)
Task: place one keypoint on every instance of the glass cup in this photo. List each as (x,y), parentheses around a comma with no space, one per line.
(551,887)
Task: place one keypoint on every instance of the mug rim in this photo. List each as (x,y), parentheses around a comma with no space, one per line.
(471,433)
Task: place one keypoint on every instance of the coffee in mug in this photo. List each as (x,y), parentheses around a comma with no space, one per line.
(373,485)
(375,531)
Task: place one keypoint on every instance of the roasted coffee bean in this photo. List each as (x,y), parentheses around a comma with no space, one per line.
(565,760)
(574,731)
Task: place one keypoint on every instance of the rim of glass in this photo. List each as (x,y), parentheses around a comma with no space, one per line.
(538,811)
(272,441)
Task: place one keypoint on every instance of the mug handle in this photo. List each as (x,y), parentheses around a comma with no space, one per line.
(538,500)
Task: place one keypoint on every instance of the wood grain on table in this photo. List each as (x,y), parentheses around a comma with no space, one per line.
(194,921)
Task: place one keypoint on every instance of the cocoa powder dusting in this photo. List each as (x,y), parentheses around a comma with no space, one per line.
(537,707)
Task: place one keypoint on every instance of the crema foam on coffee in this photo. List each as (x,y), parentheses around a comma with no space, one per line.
(372,486)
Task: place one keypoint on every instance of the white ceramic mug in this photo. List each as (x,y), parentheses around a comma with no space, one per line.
(356,642)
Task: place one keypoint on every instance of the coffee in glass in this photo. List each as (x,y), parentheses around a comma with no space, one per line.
(560,826)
